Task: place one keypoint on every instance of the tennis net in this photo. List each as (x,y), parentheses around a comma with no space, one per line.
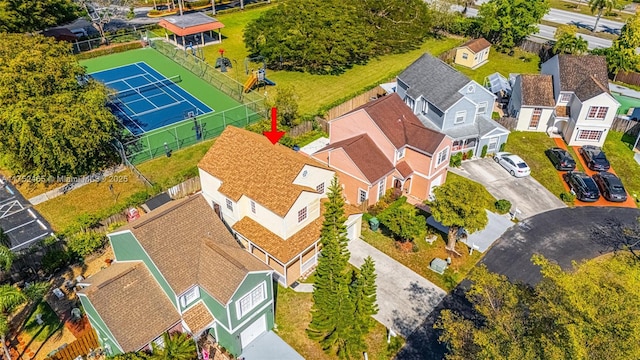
(147,87)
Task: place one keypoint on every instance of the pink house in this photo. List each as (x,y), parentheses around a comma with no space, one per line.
(383,145)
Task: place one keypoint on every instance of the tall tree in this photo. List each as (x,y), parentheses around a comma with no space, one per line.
(505,23)
(53,124)
(599,6)
(10,297)
(177,346)
(287,104)
(459,204)
(622,55)
(364,297)
(568,41)
(22,16)
(332,311)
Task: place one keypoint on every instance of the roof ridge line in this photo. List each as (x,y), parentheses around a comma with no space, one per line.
(118,276)
(155,216)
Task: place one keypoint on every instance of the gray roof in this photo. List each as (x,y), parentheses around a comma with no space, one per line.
(189,20)
(479,128)
(434,80)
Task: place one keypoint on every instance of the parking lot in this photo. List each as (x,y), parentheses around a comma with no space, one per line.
(525,194)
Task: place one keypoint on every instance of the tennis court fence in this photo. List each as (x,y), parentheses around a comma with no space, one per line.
(210,74)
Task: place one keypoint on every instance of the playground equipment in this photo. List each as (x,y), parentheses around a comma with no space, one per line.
(222,62)
(257,78)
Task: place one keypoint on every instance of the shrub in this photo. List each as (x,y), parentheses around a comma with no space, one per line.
(85,243)
(503,206)
(483,153)
(469,154)
(567,197)
(138,198)
(455,160)
(55,259)
(495,115)
(109,50)
(502,146)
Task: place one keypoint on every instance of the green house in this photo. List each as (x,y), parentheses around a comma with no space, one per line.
(179,269)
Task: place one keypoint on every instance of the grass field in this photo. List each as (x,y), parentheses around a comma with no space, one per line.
(618,149)
(520,63)
(316,92)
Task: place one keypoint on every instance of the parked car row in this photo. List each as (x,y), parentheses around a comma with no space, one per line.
(588,188)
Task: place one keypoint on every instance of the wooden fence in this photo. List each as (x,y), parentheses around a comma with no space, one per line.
(448,56)
(185,188)
(120,218)
(631,78)
(353,103)
(82,346)
(307,126)
(629,127)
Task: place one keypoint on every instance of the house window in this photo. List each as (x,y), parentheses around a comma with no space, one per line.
(460,115)
(535,118)
(302,214)
(564,98)
(320,188)
(362,196)
(590,135)
(190,296)
(465,56)
(425,107)
(380,189)
(253,206)
(597,112)
(229,204)
(399,154)
(442,156)
(493,144)
(482,107)
(409,101)
(457,145)
(251,300)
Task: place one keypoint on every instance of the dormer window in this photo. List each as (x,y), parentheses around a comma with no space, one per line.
(190,296)
(399,154)
(302,214)
(564,98)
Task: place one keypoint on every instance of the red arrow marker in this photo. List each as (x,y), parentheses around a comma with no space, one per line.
(274,135)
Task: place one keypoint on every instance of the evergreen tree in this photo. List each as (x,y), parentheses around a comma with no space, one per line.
(332,311)
(363,295)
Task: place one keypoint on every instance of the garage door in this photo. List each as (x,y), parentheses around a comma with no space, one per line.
(253,331)
(351,231)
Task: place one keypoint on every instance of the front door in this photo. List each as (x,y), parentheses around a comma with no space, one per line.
(216,208)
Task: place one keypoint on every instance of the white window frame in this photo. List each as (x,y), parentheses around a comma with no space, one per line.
(250,299)
(565,98)
(536,112)
(410,102)
(425,106)
(440,158)
(493,144)
(465,56)
(459,114)
(302,214)
(400,153)
(360,193)
(482,105)
(190,296)
(229,204)
(320,188)
(381,189)
(590,132)
(596,110)
(253,206)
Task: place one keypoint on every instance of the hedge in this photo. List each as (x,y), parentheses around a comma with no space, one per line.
(118,48)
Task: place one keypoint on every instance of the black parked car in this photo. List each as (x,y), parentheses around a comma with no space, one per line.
(595,158)
(582,185)
(610,186)
(561,159)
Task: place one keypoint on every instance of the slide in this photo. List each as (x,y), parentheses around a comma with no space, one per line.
(269,82)
(250,83)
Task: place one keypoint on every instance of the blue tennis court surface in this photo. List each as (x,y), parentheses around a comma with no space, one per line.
(145,100)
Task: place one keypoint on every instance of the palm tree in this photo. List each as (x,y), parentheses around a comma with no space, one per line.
(177,346)
(10,297)
(600,5)
(568,42)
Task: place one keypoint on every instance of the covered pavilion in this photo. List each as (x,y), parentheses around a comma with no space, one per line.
(192,30)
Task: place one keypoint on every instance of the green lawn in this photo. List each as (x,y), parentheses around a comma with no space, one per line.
(51,323)
(293,314)
(618,149)
(530,146)
(521,63)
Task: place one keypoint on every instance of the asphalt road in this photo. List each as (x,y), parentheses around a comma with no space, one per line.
(562,236)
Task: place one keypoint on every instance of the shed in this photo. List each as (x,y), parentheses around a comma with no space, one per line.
(473,54)
(193,30)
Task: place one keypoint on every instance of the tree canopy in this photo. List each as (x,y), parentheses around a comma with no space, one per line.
(506,23)
(588,313)
(402,219)
(622,55)
(330,36)
(21,16)
(568,41)
(53,122)
(599,6)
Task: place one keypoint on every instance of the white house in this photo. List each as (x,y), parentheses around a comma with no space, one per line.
(271,197)
(582,109)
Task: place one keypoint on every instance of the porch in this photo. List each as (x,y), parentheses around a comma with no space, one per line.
(464,144)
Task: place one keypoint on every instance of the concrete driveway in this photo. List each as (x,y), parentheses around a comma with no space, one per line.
(404,297)
(526,194)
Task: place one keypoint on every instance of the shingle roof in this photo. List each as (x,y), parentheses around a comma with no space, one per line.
(476,45)
(366,155)
(128,299)
(249,164)
(197,317)
(190,245)
(433,79)
(400,124)
(281,249)
(585,75)
(404,169)
(479,128)
(537,90)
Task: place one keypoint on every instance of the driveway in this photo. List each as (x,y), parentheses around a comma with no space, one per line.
(526,194)
(404,297)
(562,236)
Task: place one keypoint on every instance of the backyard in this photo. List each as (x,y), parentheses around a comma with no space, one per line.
(618,146)
(520,63)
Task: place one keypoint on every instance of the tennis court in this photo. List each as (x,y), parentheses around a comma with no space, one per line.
(145,100)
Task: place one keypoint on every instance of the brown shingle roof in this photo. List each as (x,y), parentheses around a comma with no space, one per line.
(366,155)
(404,169)
(248,164)
(190,245)
(585,75)
(400,124)
(198,317)
(281,249)
(128,299)
(477,45)
(537,90)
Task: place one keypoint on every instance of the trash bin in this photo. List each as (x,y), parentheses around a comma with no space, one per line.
(374,223)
